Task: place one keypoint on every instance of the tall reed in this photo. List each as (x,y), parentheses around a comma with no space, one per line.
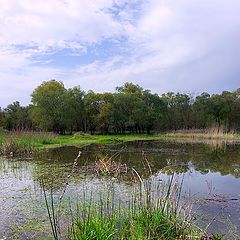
(23,143)
(209,133)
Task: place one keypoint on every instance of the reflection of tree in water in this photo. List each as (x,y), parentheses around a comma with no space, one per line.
(224,159)
(54,165)
(179,157)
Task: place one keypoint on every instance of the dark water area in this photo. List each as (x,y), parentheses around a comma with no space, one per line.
(210,172)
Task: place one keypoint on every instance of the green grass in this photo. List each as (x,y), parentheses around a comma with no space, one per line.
(114,139)
(105,139)
(144,224)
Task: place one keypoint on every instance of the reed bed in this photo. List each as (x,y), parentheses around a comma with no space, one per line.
(23,143)
(13,148)
(211,133)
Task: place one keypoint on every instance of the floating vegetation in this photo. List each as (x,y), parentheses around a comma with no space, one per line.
(107,166)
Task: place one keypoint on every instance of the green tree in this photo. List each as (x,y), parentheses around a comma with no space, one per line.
(16,117)
(74,110)
(178,110)
(49,106)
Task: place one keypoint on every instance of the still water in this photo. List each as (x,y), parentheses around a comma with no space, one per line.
(210,172)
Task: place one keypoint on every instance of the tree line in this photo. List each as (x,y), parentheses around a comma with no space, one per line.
(129,109)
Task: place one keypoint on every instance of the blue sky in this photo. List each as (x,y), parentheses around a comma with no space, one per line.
(164,45)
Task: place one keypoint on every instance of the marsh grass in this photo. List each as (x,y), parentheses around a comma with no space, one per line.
(12,148)
(23,143)
(210,133)
(34,137)
(151,210)
(107,165)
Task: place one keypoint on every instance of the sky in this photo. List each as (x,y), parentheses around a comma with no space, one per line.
(191,46)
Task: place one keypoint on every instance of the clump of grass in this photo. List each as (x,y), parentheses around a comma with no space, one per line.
(144,224)
(151,212)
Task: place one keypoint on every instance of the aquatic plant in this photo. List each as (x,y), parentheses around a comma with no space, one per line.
(152,211)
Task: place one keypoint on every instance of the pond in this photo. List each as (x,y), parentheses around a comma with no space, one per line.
(210,172)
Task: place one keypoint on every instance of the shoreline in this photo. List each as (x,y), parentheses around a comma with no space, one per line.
(67,140)
(24,144)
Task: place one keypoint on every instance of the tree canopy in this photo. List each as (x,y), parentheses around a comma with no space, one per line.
(129,109)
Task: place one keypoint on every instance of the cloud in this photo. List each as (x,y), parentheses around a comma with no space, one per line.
(188,45)
(56,23)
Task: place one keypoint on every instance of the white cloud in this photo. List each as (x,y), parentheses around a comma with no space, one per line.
(169,45)
(50,23)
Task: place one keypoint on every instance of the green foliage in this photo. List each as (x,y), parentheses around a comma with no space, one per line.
(130,109)
(48,106)
(145,224)
(15,117)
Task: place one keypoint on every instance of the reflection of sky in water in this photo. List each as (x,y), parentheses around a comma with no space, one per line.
(22,205)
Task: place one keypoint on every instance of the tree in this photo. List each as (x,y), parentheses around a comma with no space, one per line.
(98,108)
(178,110)
(16,117)
(137,110)
(49,106)
(74,110)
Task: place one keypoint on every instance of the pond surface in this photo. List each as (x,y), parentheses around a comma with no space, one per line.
(210,173)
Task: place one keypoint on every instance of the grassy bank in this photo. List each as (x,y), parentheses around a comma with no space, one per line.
(24,143)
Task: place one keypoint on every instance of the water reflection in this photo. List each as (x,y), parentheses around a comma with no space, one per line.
(212,168)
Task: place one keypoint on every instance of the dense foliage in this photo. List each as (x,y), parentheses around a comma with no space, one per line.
(129,109)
